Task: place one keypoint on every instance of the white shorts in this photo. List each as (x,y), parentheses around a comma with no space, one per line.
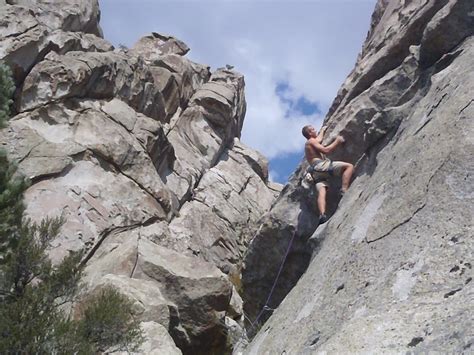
(322,170)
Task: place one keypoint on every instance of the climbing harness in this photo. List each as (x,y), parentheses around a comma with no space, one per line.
(319,171)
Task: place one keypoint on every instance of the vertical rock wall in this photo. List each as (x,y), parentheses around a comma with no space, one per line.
(392,269)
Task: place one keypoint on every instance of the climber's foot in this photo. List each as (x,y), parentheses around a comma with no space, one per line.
(322,218)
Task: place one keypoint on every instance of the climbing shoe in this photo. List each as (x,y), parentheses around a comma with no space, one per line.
(322,218)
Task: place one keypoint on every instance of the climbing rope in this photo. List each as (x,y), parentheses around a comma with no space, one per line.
(266,307)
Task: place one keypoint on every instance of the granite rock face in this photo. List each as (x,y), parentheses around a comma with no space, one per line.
(30,30)
(152,47)
(139,150)
(392,269)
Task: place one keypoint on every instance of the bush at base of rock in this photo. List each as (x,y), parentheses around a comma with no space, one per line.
(108,322)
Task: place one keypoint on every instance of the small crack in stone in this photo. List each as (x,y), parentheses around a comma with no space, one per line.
(418,209)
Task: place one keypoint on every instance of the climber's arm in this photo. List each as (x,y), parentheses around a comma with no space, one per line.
(320,136)
(329,148)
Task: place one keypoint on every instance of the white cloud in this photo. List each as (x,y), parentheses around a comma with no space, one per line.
(273,176)
(310,45)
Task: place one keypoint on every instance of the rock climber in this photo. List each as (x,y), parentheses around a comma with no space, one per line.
(321,168)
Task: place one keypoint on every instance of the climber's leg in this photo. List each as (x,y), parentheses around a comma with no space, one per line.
(322,200)
(322,190)
(345,170)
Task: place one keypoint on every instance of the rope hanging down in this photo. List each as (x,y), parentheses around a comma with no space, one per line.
(265,307)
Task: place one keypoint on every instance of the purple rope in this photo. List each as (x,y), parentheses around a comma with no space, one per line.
(275,282)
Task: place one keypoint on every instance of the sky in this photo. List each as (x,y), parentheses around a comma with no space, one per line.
(294,55)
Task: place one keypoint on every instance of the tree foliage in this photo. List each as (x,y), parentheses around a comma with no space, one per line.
(33,291)
(11,206)
(11,190)
(107,322)
(7,87)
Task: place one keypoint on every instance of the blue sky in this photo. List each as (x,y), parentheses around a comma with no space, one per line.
(294,54)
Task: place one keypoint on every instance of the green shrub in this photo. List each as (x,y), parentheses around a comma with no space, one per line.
(32,290)
(108,322)
(7,87)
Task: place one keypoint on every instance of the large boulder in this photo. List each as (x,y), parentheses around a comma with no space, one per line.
(169,85)
(176,76)
(199,290)
(30,31)
(92,163)
(204,130)
(158,341)
(24,40)
(148,304)
(72,15)
(230,197)
(189,75)
(153,46)
(92,75)
(62,42)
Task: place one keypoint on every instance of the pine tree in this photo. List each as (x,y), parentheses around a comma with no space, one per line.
(11,206)
(11,190)
(33,291)
(7,88)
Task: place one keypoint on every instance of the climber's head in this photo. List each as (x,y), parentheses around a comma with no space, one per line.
(309,131)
